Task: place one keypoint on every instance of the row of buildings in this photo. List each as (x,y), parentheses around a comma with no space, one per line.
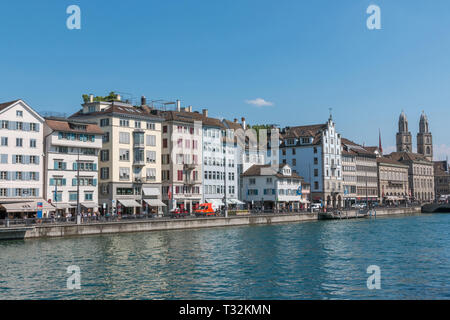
(112,156)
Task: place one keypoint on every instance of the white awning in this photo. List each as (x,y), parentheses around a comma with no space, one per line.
(129,203)
(216,202)
(63,205)
(27,206)
(155,202)
(236,201)
(151,191)
(89,205)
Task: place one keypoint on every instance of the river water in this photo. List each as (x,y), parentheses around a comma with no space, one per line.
(312,260)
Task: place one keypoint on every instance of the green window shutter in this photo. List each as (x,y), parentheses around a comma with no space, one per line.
(74,182)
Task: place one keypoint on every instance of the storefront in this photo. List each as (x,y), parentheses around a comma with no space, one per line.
(127,207)
(25,208)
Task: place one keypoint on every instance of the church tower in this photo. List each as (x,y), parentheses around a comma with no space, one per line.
(404,137)
(424,138)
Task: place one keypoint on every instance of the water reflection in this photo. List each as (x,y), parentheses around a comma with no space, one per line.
(315,260)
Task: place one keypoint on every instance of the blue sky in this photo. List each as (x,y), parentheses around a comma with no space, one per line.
(301,56)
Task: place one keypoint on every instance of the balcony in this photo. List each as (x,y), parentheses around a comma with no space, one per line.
(188,167)
(138,157)
(138,162)
(138,139)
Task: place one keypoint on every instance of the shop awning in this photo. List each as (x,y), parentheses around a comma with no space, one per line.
(90,205)
(64,205)
(129,203)
(216,202)
(151,191)
(236,201)
(155,203)
(26,206)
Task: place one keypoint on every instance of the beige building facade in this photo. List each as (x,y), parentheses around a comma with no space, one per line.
(392,181)
(130,159)
(420,175)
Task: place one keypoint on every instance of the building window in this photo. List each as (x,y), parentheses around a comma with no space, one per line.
(19,142)
(104,122)
(88,196)
(4,141)
(150,140)
(32,143)
(124,137)
(124,173)
(150,126)
(124,154)
(124,123)
(104,155)
(105,137)
(151,174)
(104,173)
(19,113)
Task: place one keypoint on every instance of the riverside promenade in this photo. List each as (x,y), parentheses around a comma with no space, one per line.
(67,229)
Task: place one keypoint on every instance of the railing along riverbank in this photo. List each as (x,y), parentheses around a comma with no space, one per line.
(61,227)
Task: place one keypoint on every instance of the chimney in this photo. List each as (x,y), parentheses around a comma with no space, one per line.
(243,123)
(235,120)
(143,101)
(205,112)
(178,105)
(189,109)
(91,98)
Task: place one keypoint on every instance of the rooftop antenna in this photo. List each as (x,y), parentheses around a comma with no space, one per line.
(331,115)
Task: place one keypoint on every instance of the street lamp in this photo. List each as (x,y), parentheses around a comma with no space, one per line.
(78,188)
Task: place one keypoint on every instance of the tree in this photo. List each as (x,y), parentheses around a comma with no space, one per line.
(111,97)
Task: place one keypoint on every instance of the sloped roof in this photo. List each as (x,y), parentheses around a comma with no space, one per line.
(255,170)
(356,148)
(233,125)
(408,156)
(390,161)
(314,131)
(63,125)
(5,105)
(190,117)
(143,111)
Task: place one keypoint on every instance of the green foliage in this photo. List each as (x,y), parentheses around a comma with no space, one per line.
(111,97)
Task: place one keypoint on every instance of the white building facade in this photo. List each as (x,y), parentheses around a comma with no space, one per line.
(220,179)
(71,165)
(314,152)
(21,160)
(274,188)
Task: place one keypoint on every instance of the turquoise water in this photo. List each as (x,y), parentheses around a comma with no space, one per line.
(314,260)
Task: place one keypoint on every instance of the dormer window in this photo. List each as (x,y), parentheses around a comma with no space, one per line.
(19,113)
(306,140)
(290,142)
